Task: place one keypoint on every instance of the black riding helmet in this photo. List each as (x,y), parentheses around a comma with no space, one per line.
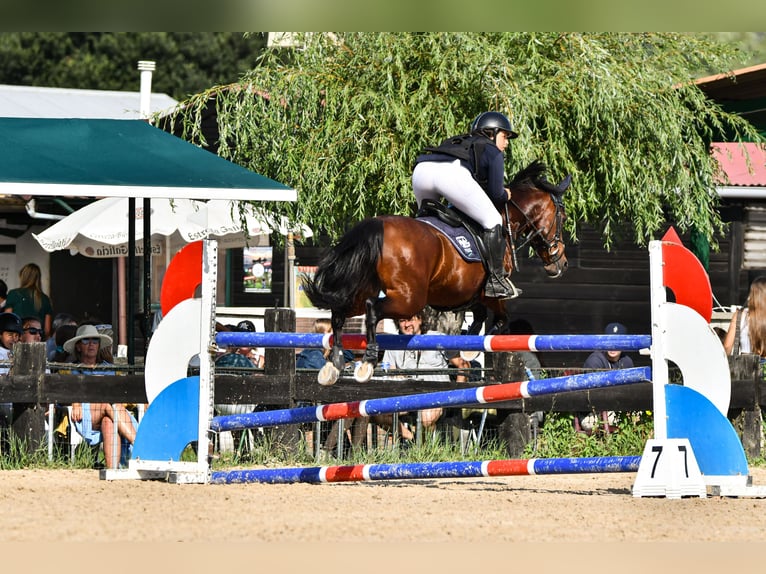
(489,123)
(10,322)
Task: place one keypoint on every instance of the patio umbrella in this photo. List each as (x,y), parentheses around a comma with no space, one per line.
(100,229)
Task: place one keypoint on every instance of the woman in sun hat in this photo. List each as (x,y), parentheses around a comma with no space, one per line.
(100,422)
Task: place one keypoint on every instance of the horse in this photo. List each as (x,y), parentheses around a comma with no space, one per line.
(392,266)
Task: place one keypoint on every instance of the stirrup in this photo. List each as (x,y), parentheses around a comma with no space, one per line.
(516,290)
(494,288)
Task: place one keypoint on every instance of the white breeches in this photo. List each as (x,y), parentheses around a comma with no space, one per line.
(434,180)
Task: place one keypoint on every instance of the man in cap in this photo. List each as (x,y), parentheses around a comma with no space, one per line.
(610,359)
(603,360)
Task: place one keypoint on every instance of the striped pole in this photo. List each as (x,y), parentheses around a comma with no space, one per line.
(370,472)
(485,343)
(459,397)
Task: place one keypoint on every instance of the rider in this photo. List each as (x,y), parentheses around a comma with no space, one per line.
(476,187)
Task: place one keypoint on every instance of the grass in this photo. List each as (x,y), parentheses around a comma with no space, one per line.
(557,438)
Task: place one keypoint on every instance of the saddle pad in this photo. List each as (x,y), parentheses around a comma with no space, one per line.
(458,236)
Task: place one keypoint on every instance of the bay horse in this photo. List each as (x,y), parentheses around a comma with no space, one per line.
(393,266)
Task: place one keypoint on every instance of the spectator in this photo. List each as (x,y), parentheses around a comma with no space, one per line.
(316,358)
(412,360)
(604,360)
(254,354)
(32,331)
(529,358)
(29,299)
(10,331)
(355,428)
(51,345)
(3,295)
(238,358)
(747,328)
(112,425)
(63,334)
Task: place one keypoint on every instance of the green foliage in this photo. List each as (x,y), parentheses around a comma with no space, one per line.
(559,439)
(343,118)
(187,62)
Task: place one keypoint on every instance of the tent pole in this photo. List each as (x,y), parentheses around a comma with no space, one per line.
(147,272)
(121,309)
(131,281)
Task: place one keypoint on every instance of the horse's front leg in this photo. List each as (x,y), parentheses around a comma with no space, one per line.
(479,316)
(499,316)
(363,373)
(329,373)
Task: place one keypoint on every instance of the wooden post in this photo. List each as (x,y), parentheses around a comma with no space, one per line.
(29,418)
(749,422)
(281,363)
(515,428)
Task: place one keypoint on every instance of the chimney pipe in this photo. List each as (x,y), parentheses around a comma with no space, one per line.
(146,67)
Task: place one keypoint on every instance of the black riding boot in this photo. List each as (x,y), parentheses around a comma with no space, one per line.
(498,283)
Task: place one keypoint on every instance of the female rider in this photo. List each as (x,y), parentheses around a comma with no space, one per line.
(474,183)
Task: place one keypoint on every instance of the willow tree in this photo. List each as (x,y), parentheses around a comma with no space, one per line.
(342,117)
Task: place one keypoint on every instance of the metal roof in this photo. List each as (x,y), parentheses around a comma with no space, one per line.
(734,164)
(43,102)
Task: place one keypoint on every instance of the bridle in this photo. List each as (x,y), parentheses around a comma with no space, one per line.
(527,233)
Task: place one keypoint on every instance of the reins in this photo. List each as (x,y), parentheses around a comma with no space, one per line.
(534,231)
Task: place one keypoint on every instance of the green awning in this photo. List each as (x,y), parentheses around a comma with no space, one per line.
(119,158)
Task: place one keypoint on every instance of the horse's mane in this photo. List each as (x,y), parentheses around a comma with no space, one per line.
(533,176)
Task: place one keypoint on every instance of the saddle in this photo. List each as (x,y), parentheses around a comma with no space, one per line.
(455,218)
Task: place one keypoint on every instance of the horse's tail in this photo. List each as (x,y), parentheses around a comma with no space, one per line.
(348,269)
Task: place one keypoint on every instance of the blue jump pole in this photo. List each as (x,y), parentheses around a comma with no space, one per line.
(370,472)
(486,343)
(459,397)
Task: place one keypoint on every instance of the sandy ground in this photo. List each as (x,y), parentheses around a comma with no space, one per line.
(76,506)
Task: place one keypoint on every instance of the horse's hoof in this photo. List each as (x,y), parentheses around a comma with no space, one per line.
(469,355)
(363,372)
(328,375)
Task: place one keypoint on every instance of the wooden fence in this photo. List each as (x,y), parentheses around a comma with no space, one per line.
(31,389)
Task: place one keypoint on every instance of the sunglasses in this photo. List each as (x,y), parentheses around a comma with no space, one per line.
(90,341)
(33,330)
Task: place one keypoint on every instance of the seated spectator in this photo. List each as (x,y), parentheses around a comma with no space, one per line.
(237,357)
(32,331)
(51,346)
(10,331)
(355,428)
(316,358)
(255,354)
(114,426)
(63,334)
(410,360)
(604,360)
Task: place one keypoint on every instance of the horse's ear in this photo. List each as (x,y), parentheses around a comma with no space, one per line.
(564,185)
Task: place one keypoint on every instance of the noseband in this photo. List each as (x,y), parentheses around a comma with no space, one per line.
(529,234)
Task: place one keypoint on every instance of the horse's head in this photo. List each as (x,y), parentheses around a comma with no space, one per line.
(536,210)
